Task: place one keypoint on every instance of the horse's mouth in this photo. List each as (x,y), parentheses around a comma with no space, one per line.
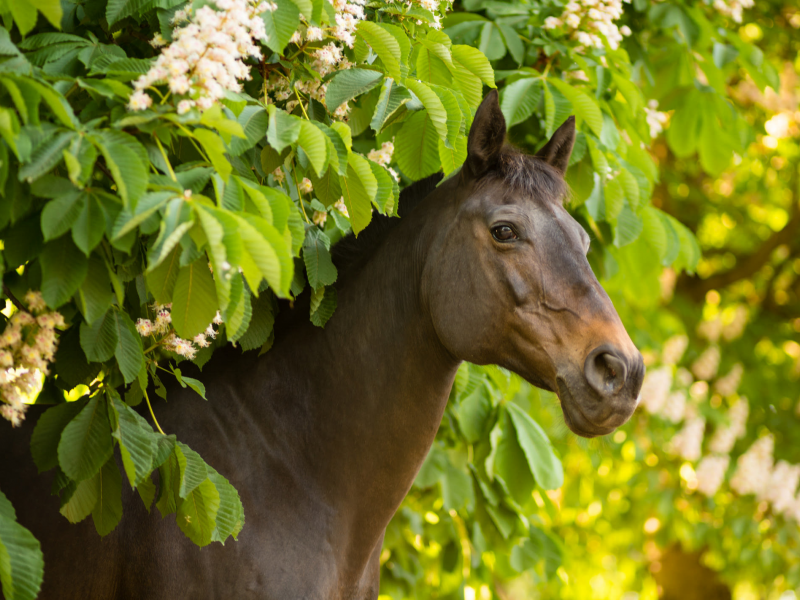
(574,416)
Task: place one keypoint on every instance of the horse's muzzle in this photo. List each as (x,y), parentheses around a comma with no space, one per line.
(605,394)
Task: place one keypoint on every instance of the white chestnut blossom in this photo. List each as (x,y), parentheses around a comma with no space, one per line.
(711,473)
(725,437)
(655,388)
(305,186)
(733,8)
(27,346)
(588,22)
(728,384)
(655,119)
(341,207)
(674,408)
(206,56)
(688,442)
(754,469)
(382,155)
(673,349)
(706,365)
(782,486)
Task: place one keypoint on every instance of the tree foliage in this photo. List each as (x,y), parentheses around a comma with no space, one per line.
(162,219)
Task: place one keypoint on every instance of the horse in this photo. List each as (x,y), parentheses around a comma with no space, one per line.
(324,434)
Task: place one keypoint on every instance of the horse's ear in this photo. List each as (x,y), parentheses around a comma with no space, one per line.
(557,151)
(486,136)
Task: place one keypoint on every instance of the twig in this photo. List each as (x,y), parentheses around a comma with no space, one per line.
(13,299)
(105,170)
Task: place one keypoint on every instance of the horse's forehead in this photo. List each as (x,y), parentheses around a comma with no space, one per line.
(497,194)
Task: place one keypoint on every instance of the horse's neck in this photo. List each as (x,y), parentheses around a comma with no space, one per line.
(383,380)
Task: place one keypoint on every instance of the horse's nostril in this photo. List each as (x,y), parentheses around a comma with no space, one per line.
(605,370)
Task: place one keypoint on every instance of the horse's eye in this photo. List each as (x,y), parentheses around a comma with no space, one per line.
(503,233)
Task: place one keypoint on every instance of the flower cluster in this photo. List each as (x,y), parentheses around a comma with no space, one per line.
(733,8)
(27,346)
(655,389)
(754,469)
(728,384)
(161,327)
(673,349)
(655,118)
(706,365)
(383,156)
(725,437)
(711,474)
(206,57)
(325,59)
(589,21)
(688,442)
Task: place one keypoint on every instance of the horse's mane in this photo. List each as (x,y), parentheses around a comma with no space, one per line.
(519,171)
(352,252)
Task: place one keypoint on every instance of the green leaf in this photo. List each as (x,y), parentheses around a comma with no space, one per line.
(386,197)
(147,206)
(513,42)
(452,158)
(473,413)
(161,280)
(254,121)
(543,463)
(238,312)
(520,99)
(391,98)
(457,489)
(46,157)
(86,442)
(129,350)
(230,516)
(268,252)
(323,304)
(194,300)
(507,462)
(21,561)
(684,129)
(127,161)
(137,443)
(108,508)
(59,214)
(280,25)
(193,469)
(215,149)
(47,433)
(261,324)
(455,120)
(350,83)
(147,492)
(433,105)
(315,144)
(196,385)
(283,129)
(64,268)
(81,502)
(316,254)
(100,339)
(358,189)
(90,225)
(416,147)
(474,61)
(629,226)
(584,105)
(197,513)
(385,46)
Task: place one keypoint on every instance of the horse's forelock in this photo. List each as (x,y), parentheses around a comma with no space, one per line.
(528,175)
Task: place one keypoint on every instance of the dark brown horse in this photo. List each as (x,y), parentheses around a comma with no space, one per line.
(324,434)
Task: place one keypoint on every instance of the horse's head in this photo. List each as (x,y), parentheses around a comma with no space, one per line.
(507,281)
